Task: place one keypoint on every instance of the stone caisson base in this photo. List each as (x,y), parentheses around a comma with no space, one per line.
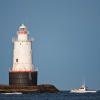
(23,78)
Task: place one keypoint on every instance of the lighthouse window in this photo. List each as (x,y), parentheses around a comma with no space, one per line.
(16,60)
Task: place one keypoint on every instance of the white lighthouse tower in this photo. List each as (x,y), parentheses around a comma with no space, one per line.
(22,53)
(23,72)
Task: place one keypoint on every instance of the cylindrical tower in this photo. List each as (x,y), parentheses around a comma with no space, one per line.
(23,73)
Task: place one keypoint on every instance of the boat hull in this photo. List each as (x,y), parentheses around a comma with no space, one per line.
(77,91)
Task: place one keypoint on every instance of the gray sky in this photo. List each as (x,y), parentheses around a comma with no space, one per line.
(67,37)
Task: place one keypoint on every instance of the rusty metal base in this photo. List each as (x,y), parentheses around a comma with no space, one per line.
(23,78)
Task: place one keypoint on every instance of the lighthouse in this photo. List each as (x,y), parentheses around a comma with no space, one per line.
(23,72)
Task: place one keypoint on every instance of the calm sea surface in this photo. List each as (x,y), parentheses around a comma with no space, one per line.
(51,96)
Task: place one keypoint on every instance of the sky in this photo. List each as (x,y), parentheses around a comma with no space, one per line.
(66,49)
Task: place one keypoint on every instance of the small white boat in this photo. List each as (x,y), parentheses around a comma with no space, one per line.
(83,89)
(12,93)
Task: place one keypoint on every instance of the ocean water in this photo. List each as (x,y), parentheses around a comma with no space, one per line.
(51,96)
